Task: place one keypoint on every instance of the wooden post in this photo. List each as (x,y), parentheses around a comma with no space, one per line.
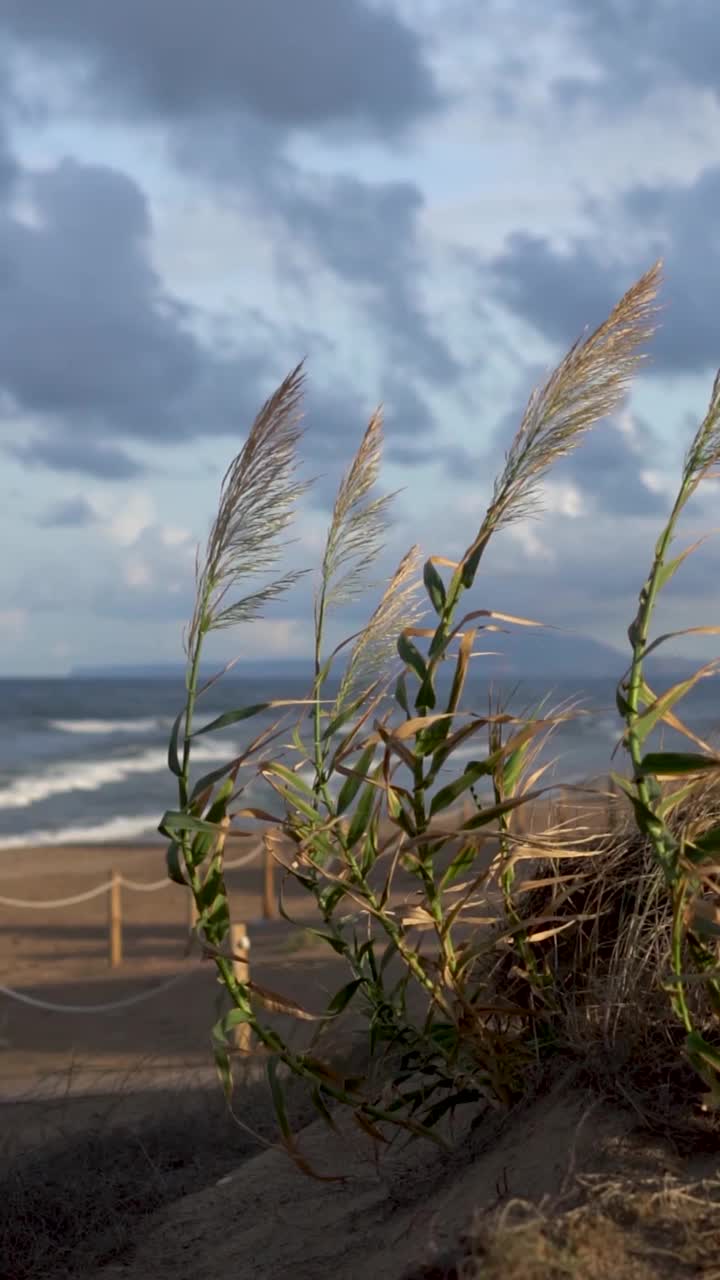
(115,919)
(240,947)
(268,903)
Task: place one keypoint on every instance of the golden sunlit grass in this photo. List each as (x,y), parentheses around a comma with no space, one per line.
(483,969)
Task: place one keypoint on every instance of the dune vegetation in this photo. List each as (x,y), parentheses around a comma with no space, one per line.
(477,950)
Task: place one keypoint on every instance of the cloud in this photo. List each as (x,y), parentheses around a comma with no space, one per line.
(131,518)
(87,334)
(295,65)
(367,233)
(560,291)
(233,87)
(82,456)
(97,353)
(8,165)
(636,47)
(72,513)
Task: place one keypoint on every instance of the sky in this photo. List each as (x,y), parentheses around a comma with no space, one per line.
(428,201)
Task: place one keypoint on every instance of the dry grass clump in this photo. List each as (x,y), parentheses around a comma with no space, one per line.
(608,962)
(627,1228)
(634,1223)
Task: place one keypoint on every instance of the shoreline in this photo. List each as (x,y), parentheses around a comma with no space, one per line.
(596,784)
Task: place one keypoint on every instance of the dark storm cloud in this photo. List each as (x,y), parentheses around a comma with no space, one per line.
(90,342)
(298,65)
(232,84)
(367,233)
(93,347)
(65,452)
(560,293)
(640,47)
(72,513)
(85,331)
(8,167)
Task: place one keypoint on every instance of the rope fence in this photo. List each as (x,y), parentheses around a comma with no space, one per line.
(35,1003)
(113,888)
(137,886)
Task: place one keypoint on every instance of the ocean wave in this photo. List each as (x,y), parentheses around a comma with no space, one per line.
(115,829)
(91,727)
(93,775)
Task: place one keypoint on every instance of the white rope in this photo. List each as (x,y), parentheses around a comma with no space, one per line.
(57,902)
(138,886)
(142,886)
(97,1008)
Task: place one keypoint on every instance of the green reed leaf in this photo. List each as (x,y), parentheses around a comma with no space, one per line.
(411,656)
(174,764)
(429,740)
(426,699)
(322,1109)
(329,898)
(447,795)
(336,944)
(208,780)
(497,810)
(278,1098)
(176,863)
(175,822)
(671,764)
(658,709)
(708,842)
(697,1045)
(401,696)
(435,587)
(342,717)
(342,998)
(458,1098)
(352,784)
(293,779)
(362,815)
(460,863)
(233,717)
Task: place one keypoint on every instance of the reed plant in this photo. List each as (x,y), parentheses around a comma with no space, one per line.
(410,852)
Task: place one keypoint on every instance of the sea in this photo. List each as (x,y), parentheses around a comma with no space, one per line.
(84,761)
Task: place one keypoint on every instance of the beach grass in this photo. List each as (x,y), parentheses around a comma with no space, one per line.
(502,961)
(493,941)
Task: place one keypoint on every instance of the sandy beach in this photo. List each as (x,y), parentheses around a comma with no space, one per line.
(61,956)
(69,1081)
(98,1095)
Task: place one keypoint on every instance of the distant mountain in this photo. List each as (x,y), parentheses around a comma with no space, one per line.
(524,653)
(533,652)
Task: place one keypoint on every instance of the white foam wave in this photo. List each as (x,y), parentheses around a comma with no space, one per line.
(92,775)
(89,726)
(115,829)
(146,725)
